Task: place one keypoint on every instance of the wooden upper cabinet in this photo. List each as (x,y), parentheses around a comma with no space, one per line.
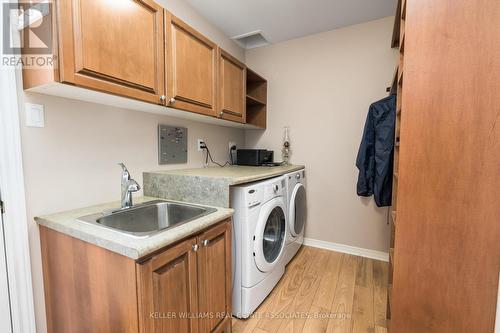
(191,64)
(113,46)
(214,276)
(168,289)
(136,49)
(232,87)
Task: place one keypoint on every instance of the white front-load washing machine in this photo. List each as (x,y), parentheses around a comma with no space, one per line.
(259,237)
(297,212)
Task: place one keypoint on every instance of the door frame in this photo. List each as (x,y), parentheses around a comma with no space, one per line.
(15,216)
(5,308)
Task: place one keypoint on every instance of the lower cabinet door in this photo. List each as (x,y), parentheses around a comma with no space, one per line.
(168,291)
(214,277)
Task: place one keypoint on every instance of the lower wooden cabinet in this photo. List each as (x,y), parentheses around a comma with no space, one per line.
(168,290)
(185,288)
(214,277)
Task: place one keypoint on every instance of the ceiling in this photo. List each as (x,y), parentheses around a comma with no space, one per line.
(280,20)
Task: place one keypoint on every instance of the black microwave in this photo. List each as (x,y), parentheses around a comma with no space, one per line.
(254,157)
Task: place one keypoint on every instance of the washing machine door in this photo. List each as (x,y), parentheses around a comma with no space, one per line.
(297,213)
(269,237)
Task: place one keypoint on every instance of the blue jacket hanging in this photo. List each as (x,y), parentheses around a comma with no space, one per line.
(376,152)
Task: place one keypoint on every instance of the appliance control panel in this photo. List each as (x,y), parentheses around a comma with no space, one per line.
(274,189)
(298,175)
(254,197)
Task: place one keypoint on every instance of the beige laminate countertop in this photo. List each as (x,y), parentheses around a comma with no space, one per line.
(236,174)
(122,243)
(207,186)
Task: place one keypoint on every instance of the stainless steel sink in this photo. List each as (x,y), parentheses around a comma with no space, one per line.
(149,218)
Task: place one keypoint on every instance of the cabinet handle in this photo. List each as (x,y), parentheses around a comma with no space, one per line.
(163,98)
(172,101)
(205,242)
(195,247)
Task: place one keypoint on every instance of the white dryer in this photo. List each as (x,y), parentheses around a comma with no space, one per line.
(297,212)
(259,237)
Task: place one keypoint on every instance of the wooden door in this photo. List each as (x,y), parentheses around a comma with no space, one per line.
(232,88)
(168,290)
(113,46)
(191,68)
(447,246)
(214,276)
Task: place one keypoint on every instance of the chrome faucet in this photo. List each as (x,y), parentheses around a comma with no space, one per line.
(128,186)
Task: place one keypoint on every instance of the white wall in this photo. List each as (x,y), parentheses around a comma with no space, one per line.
(321,86)
(71,162)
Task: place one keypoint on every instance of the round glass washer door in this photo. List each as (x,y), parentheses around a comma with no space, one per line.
(297,214)
(270,235)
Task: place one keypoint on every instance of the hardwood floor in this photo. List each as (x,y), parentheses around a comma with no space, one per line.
(324,291)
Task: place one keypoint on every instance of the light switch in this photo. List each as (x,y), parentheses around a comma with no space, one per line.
(35,116)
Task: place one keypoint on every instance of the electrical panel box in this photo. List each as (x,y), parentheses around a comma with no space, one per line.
(172,144)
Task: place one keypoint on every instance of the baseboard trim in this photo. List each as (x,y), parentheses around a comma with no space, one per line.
(357,251)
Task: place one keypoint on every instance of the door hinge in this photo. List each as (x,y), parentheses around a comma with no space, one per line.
(2,207)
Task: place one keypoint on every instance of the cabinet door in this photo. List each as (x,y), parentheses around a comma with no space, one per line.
(113,46)
(191,68)
(214,276)
(168,290)
(232,87)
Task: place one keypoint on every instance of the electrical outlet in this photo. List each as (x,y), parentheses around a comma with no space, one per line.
(232,153)
(201,144)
